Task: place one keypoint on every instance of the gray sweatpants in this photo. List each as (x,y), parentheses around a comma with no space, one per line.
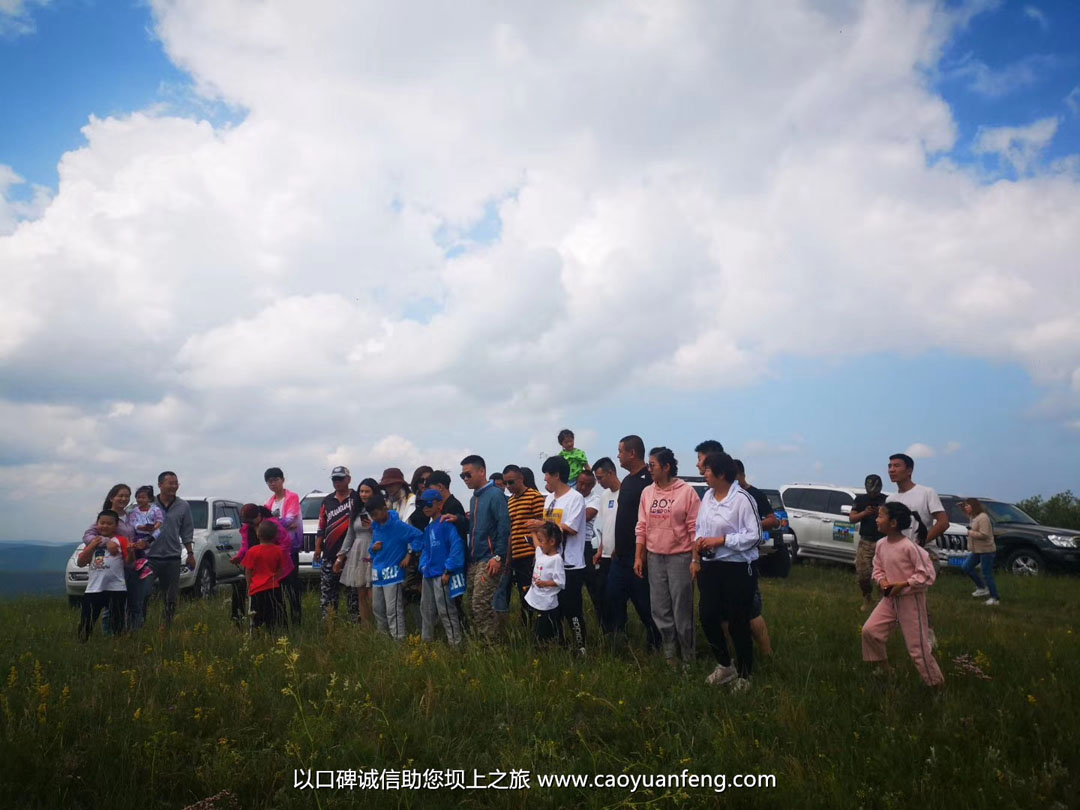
(671,596)
(389,604)
(435,605)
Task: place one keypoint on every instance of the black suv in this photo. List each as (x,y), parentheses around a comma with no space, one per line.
(1023,546)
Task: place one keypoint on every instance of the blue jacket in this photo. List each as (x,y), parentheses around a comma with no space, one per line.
(441,550)
(489,534)
(395,536)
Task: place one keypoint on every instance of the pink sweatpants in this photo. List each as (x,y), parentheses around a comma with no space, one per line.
(910,611)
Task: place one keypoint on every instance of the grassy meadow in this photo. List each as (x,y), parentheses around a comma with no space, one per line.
(165,719)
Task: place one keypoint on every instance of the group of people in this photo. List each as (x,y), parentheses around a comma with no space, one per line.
(646,538)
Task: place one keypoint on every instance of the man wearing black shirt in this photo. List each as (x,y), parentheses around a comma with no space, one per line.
(622,583)
(864,512)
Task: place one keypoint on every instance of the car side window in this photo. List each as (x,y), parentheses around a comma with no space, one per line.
(838,499)
(219,512)
(794,498)
(815,500)
(233,511)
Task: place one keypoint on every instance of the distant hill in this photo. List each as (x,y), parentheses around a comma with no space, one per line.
(33,568)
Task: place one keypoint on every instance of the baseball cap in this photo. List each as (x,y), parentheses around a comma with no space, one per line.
(340,472)
(431,495)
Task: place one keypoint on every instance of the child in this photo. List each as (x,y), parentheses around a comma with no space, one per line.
(106,554)
(145,520)
(263,566)
(574,457)
(251,517)
(390,539)
(903,571)
(549,577)
(442,565)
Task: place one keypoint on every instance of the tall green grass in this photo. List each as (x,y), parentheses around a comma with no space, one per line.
(163,719)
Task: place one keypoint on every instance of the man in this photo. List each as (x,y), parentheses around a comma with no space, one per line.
(489,539)
(285,506)
(498,480)
(865,512)
(164,552)
(768,520)
(608,479)
(924,503)
(525,504)
(704,450)
(586,485)
(622,583)
(333,540)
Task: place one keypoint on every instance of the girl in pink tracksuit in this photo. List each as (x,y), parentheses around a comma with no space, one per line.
(903,571)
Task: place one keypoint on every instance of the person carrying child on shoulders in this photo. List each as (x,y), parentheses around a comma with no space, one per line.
(390,540)
(903,571)
(442,566)
(106,554)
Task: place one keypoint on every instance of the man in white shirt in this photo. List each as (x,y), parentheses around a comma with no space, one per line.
(608,479)
(586,485)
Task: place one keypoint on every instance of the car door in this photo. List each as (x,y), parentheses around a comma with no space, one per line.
(806,512)
(837,530)
(224,538)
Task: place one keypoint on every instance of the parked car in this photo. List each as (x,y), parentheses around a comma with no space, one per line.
(818,514)
(310,506)
(216,539)
(773,540)
(1023,545)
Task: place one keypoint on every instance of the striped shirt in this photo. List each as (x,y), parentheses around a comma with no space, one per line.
(529,505)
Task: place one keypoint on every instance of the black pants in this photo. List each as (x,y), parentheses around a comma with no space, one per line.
(521,571)
(623,584)
(292,590)
(94,603)
(268,609)
(572,607)
(593,584)
(547,624)
(240,603)
(727,594)
(167,573)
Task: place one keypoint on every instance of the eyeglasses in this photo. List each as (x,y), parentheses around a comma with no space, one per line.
(465,476)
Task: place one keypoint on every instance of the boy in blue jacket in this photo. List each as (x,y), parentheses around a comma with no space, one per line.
(390,539)
(442,565)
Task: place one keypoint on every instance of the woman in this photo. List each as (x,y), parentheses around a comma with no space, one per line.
(727,535)
(398,496)
(356,575)
(117,500)
(983,551)
(418,485)
(529,478)
(667,515)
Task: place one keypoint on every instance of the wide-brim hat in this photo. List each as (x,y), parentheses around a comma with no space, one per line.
(391,475)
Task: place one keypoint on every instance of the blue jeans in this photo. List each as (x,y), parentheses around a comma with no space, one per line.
(986,562)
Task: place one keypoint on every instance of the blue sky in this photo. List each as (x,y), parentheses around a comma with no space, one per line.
(988,423)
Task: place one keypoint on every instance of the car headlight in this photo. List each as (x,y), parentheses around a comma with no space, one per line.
(1062,540)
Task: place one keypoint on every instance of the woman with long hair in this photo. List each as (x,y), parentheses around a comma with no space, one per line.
(356,575)
(117,500)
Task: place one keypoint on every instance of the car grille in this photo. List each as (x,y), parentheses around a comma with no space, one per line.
(952,544)
(78,576)
(309,542)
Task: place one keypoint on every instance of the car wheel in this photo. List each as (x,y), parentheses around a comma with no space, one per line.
(1025,562)
(204,581)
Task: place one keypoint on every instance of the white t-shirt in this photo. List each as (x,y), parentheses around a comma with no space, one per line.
(605,521)
(569,510)
(546,569)
(279,505)
(592,501)
(922,500)
(106,570)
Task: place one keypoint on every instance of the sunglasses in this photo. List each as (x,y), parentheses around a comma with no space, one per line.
(465,476)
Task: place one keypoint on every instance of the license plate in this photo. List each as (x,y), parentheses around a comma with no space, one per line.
(957,562)
(316,565)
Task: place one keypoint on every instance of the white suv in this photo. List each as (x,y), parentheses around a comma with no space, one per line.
(310,505)
(819,516)
(215,540)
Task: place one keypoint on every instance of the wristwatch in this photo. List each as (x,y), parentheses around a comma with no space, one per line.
(497,558)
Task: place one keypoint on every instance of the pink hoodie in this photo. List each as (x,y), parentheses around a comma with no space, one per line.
(667,518)
(900,561)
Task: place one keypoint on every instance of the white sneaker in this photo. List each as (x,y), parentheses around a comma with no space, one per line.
(980,592)
(993,601)
(721,675)
(740,685)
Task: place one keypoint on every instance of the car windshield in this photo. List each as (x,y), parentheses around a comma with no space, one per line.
(774,498)
(1006,513)
(199,514)
(310,507)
